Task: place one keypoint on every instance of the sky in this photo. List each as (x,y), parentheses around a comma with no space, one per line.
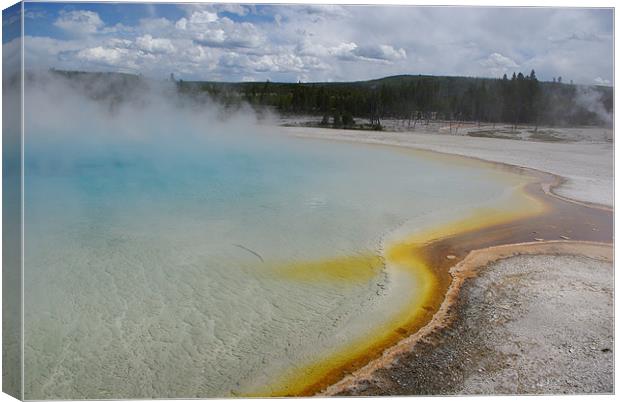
(237,42)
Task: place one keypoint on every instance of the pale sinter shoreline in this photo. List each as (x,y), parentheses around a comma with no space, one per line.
(556,335)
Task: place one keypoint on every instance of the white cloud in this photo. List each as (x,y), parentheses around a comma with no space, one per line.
(154,45)
(208,29)
(336,43)
(323,10)
(232,8)
(277,63)
(578,36)
(104,55)
(278,19)
(79,22)
(199,18)
(227,33)
(351,51)
(343,50)
(307,47)
(600,81)
(155,25)
(181,24)
(34,14)
(41,52)
(262,64)
(380,52)
(497,64)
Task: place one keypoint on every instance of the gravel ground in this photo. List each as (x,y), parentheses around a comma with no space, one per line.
(530,324)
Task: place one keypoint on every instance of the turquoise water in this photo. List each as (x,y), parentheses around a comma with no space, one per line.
(148,259)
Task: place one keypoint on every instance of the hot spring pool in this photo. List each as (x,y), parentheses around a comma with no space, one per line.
(174,268)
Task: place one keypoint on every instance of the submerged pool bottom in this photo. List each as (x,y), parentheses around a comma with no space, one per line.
(260,269)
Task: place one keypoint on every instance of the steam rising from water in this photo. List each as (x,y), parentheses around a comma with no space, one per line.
(164,239)
(122,113)
(592,100)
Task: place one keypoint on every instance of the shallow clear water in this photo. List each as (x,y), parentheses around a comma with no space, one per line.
(163,268)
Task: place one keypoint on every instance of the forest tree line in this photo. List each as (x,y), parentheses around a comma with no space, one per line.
(520,99)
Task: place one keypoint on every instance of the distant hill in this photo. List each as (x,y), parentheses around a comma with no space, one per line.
(519,99)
